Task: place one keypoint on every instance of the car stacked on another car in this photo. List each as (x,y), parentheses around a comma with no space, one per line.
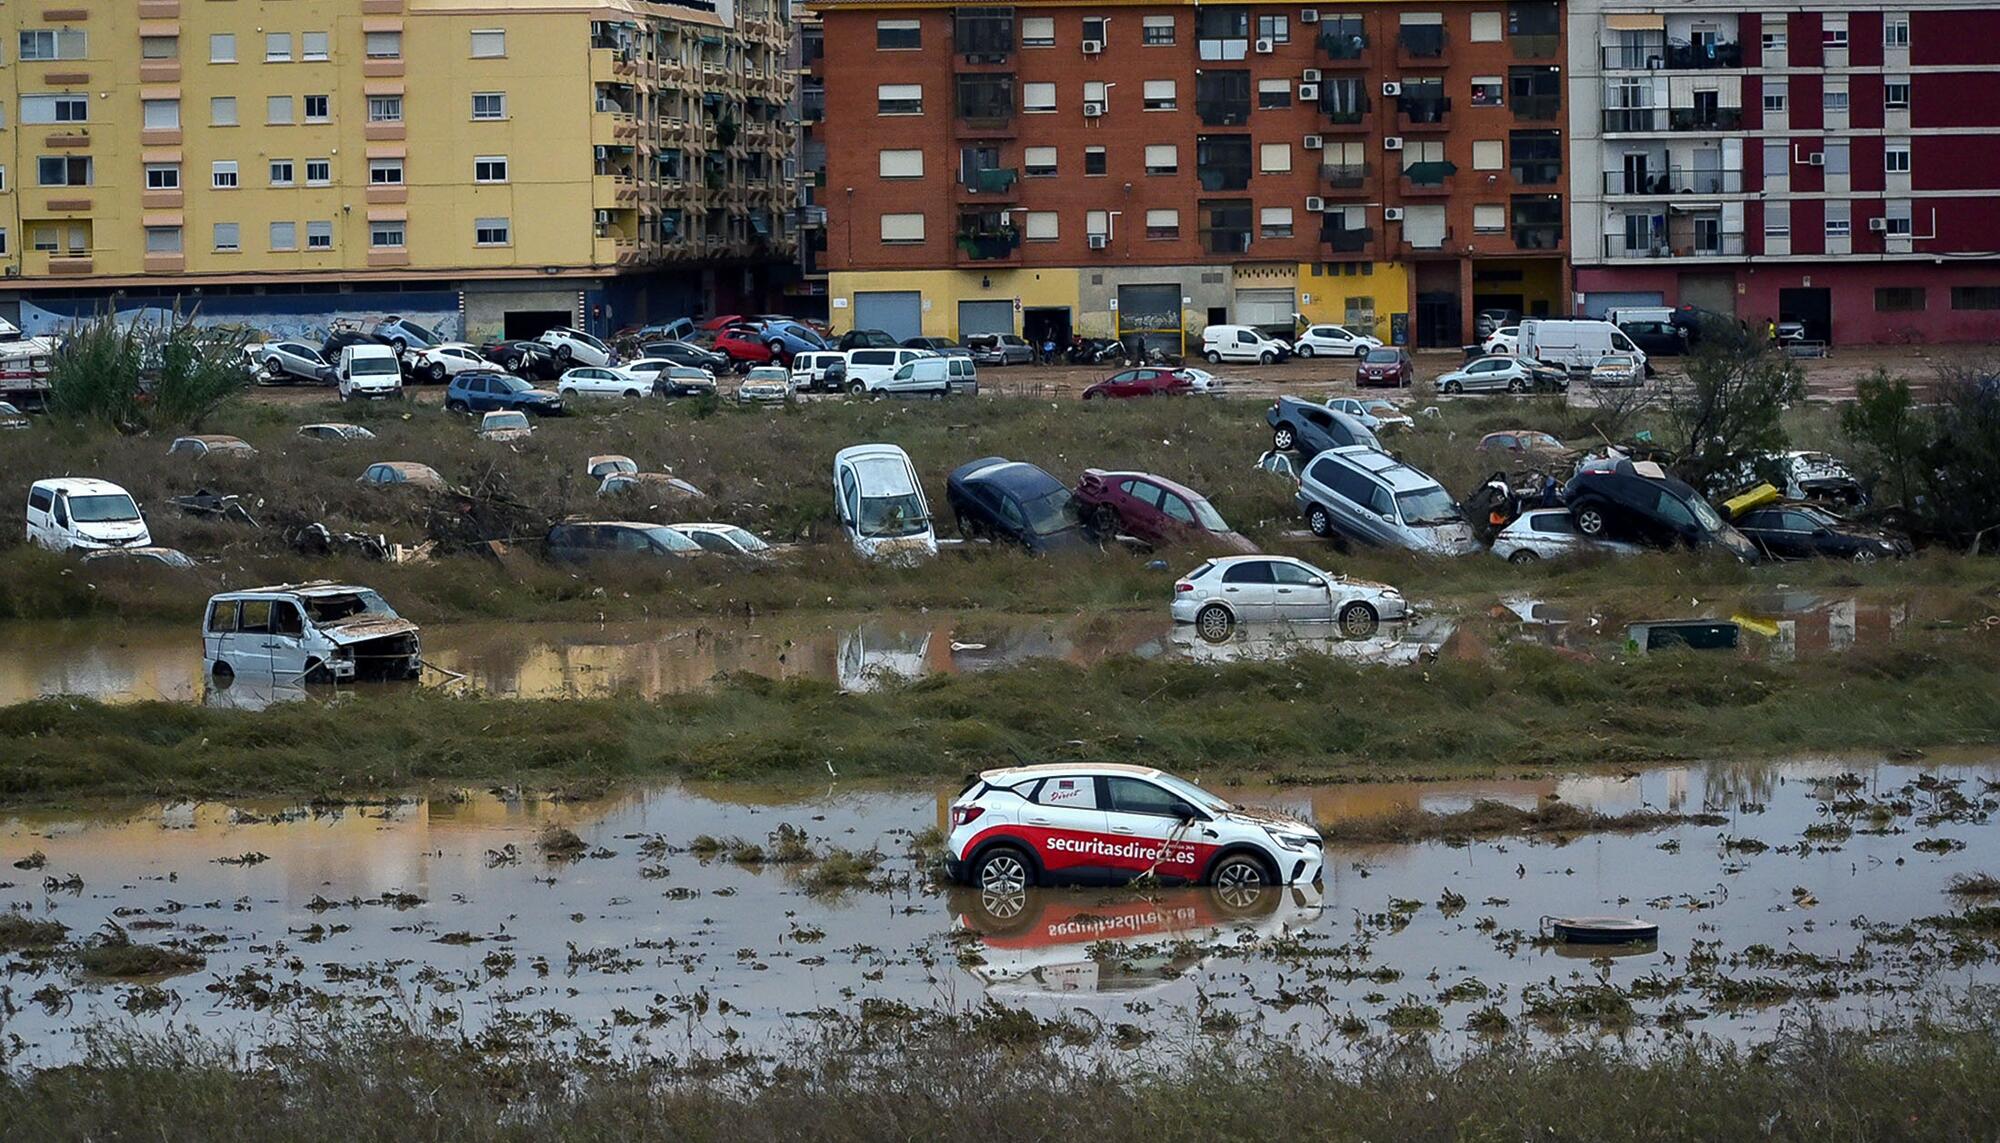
(1300,426)
(575,347)
(1549,534)
(686,353)
(1153,509)
(1224,594)
(440,363)
(1618,498)
(531,360)
(1002,499)
(282,362)
(1374,413)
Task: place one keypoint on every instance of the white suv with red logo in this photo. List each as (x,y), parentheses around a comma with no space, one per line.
(1108,824)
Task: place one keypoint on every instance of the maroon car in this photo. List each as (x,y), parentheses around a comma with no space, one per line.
(1145,381)
(1154,509)
(1385,366)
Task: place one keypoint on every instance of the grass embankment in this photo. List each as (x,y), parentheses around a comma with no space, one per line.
(1308,718)
(1006,1076)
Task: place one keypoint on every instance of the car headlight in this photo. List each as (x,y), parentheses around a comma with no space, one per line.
(1299,842)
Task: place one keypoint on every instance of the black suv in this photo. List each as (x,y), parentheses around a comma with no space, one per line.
(1309,429)
(1013,500)
(1617,498)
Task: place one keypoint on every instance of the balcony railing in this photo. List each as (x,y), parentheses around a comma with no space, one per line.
(1540,236)
(1421,41)
(990,180)
(1535,46)
(1673,182)
(1673,57)
(1421,111)
(1342,239)
(990,245)
(1346,113)
(1634,119)
(1721,246)
(1338,46)
(1713,119)
(1346,176)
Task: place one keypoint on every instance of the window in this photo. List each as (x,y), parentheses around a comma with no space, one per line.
(1225,226)
(1489,91)
(1841,227)
(1038,32)
(1097,28)
(1774,43)
(1274,222)
(222,175)
(1277,29)
(1162,159)
(492,232)
(1537,157)
(55,108)
(1778,221)
(1157,31)
(1485,28)
(898,35)
(385,109)
(1222,162)
(45,239)
(489,44)
(1097,222)
(281,172)
(63,44)
(489,105)
(319,235)
(1042,226)
(1273,94)
(1896,158)
(159,47)
(489,169)
(318,108)
(1093,160)
(1038,97)
(385,172)
(1163,225)
(899,99)
(387,235)
(1222,98)
(222,111)
(1488,155)
(284,236)
(1975,297)
(278,109)
(160,114)
(1837,158)
(384,46)
(902,228)
(222,48)
(1835,98)
(1217,23)
(313,46)
(1274,158)
(278,47)
(1489,218)
(228,237)
(1076,793)
(1896,218)
(1899,299)
(1038,162)
(1835,34)
(1775,90)
(1896,33)
(1161,95)
(63,171)
(163,176)
(1896,93)
(902,164)
(163,240)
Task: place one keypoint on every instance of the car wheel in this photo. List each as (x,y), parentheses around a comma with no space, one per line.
(275,368)
(1002,869)
(222,672)
(1358,621)
(633,394)
(1240,873)
(858,389)
(1453,387)
(1320,521)
(1283,439)
(776,347)
(455,407)
(1214,623)
(1867,556)
(1304,350)
(1514,386)
(563,351)
(1524,556)
(1590,520)
(398,344)
(437,371)
(1214,358)
(1266,358)
(1360,351)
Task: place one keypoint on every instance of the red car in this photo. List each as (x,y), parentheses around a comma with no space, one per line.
(1385,366)
(1154,509)
(743,345)
(1146,381)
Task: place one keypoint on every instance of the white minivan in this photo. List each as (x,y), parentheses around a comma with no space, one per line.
(369,371)
(1241,343)
(1573,343)
(79,513)
(880,503)
(870,370)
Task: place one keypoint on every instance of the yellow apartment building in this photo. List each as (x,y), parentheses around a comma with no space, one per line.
(509,163)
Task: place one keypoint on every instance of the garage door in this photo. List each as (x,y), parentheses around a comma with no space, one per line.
(1713,292)
(898,313)
(1596,304)
(985,317)
(1265,307)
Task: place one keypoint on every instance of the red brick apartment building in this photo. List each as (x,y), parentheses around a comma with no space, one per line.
(1838,166)
(1154,167)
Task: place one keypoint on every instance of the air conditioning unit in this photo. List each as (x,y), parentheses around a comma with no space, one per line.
(1392,214)
(1093,110)
(603,218)
(1093,47)
(1392,143)
(1266,47)
(1315,204)
(1310,75)
(1309,15)
(1309,93)
(1392,89)
(1312,143)
(1817,158)
(1099,241)
(1878,225)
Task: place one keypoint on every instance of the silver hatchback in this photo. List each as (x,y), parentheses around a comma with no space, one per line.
(1365,495)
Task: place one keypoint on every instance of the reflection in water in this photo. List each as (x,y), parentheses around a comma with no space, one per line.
(1392,644)
(1782,626)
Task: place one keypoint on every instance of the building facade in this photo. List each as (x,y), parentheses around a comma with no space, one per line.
(1153,168)
(1833,166)
(519,163)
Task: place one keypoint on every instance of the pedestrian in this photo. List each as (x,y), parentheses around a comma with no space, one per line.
(1049,350)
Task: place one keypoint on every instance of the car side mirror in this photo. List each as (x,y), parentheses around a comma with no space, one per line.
(1187,814)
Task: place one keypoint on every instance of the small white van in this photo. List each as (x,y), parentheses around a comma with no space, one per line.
(369,371)
(881,505)
(870,370)
(924,375)
(1221,343)
(75,513)
(1574,344)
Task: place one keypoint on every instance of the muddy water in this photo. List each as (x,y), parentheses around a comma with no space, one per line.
(446,910)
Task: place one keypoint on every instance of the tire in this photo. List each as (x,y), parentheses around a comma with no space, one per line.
(1267,358)
(1320,521)
(1104,521)
(858,389)
(1358,621)
(1360,351)
(1284,439)
(633,394)
(1453,387)
(1003,869)
(1214,623)
(436,372)
(1589,520)
(1240,872)
(399,345)
(1514,386)
(563,351)
(1867,556)
(1524,556)
(776,347)
(1304,351)
(456,407)
(275,368)
(1214,358)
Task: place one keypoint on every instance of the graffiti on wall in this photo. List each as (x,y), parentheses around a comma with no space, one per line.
(302,317)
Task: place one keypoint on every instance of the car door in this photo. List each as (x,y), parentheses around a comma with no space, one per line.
(1121,384)
(1151,830)
(1139,510)
(218,632)
(1250,591)
(1478,376)
(286,641)
(1300,596)
(1065,823)
(249,649)
(1553,534)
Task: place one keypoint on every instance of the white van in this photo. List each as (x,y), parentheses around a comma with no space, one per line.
(78,513)
(869,370)
(1241,343)
(369,371)
(880,503)
(1573,344)
(308,633)
(809,370)
(924,375)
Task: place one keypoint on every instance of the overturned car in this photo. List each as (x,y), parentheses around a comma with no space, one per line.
(308,633)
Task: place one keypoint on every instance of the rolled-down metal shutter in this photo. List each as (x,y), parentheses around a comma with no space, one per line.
(1265,307)
(985,317)
(898,313)
(1595,304)
(1713,292)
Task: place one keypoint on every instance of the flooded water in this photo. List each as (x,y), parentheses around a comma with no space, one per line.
(1813,892)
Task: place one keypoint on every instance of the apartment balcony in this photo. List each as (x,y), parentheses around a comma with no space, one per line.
(1002,245)
(1338,49)
(610,127)
(1345,177)
(1415,114)
(1421,180)
(1619,120)
(612,66)
(1674,182)
(1421,45)
(52,264)
(1537,108)
(1539,236)
(614,192)
(1343,239)
(1443,242)
(1536,46)
(1710,119)
(1339,114)
(996,184)
(1718,246)
(614,250)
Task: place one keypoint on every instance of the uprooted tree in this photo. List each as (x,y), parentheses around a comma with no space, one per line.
(137,376)
(1729,412)
(1935,468)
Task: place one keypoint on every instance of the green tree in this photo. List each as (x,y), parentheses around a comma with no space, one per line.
(1728,412)
(136,376)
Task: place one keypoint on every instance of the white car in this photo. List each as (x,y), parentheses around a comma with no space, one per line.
(11,417)
(335,431)
(1333,341)
(727,539)
(765,383)
(1201,380)
(575,347)
(1550,534)
(599,467)
(1618,369)
(308,633)
(1096,823)
(1502,341)
(505,425)
(441,363)
(880,504)
(1224,593)
(1489,375)
(596,381)
(289,361)
(1374,413)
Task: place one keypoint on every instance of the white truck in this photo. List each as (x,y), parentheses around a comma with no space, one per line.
(369,371)
(1575,344)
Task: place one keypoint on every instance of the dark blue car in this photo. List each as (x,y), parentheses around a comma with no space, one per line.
(1011,500)
(482,392)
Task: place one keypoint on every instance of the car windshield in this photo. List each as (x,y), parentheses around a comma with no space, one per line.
(1205,513)
(897,515)
(671,540)
(745,540)
(506,421)
(1615,362)
(1816,516)
(1193,794)
(1381,357)
(1540,440)
(372,366)
(579,335)
(1050,512)
(7,410)
(768,373)
(1425,506)
(1704,515)
(686,374)
(347,605)
(106,508)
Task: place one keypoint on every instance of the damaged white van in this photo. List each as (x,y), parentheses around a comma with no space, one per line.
(308,633)
(79,513)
